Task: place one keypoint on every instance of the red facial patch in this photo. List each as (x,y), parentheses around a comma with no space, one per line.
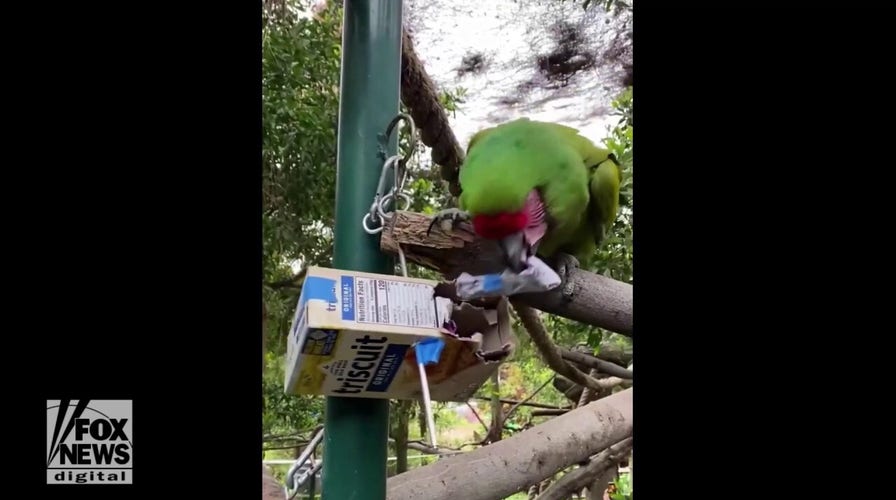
(495,227)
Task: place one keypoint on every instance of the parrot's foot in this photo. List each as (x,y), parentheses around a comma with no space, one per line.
(448,219)
(563,264)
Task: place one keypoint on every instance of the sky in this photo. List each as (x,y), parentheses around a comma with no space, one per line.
(510,34)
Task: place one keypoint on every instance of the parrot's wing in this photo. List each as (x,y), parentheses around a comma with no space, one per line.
(591,154)
(605,179)
(604,189)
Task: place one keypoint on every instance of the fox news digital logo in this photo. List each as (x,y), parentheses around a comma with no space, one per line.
(89,441)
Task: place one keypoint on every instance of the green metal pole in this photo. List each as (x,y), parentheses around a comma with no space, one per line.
(356,430)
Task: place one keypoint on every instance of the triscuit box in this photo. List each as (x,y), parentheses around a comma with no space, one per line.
(353,335)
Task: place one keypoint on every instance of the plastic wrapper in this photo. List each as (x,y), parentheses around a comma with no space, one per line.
(537,277)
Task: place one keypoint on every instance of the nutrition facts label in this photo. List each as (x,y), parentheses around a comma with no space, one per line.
(397,303)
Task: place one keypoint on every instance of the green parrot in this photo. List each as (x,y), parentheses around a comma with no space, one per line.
(538,188)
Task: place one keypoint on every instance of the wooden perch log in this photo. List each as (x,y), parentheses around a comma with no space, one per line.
(507,466)
(598,300)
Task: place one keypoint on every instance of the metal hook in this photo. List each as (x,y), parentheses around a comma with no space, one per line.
(370,230)
(401,174)
(377,214)
(410,123)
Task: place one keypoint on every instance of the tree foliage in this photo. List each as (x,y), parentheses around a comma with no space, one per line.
(300,96)
(300,104)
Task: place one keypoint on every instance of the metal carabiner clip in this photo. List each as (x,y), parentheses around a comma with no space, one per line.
(406,118)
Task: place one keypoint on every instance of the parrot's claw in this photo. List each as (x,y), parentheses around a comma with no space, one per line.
(564,263)
(448,219)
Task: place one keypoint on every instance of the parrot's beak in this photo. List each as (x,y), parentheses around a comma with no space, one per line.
(515,251)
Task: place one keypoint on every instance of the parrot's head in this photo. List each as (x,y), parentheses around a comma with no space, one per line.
(501,181)
(517,230)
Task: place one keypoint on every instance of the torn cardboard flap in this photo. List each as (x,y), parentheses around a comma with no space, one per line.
(470,320)
(462,368)
(354,333)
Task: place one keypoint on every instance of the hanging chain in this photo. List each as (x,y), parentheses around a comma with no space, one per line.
(374,221)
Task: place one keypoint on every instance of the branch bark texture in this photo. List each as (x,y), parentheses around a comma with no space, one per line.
(596,364)
(508,466)
(574,481)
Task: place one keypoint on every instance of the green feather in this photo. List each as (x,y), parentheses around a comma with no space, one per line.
(579,182)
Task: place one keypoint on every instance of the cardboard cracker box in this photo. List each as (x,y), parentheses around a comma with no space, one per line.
(353,335)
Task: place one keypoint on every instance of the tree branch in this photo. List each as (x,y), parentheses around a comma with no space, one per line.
(550,353)
(303,435)
(549,413)
(574,481)
(481,442)
(597,300)
(422,447)
(514,407)
(525,403)
(614,353)
(476,414)
(598,364)
(587,393)
(425,448)
(300,444)
(507,466)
